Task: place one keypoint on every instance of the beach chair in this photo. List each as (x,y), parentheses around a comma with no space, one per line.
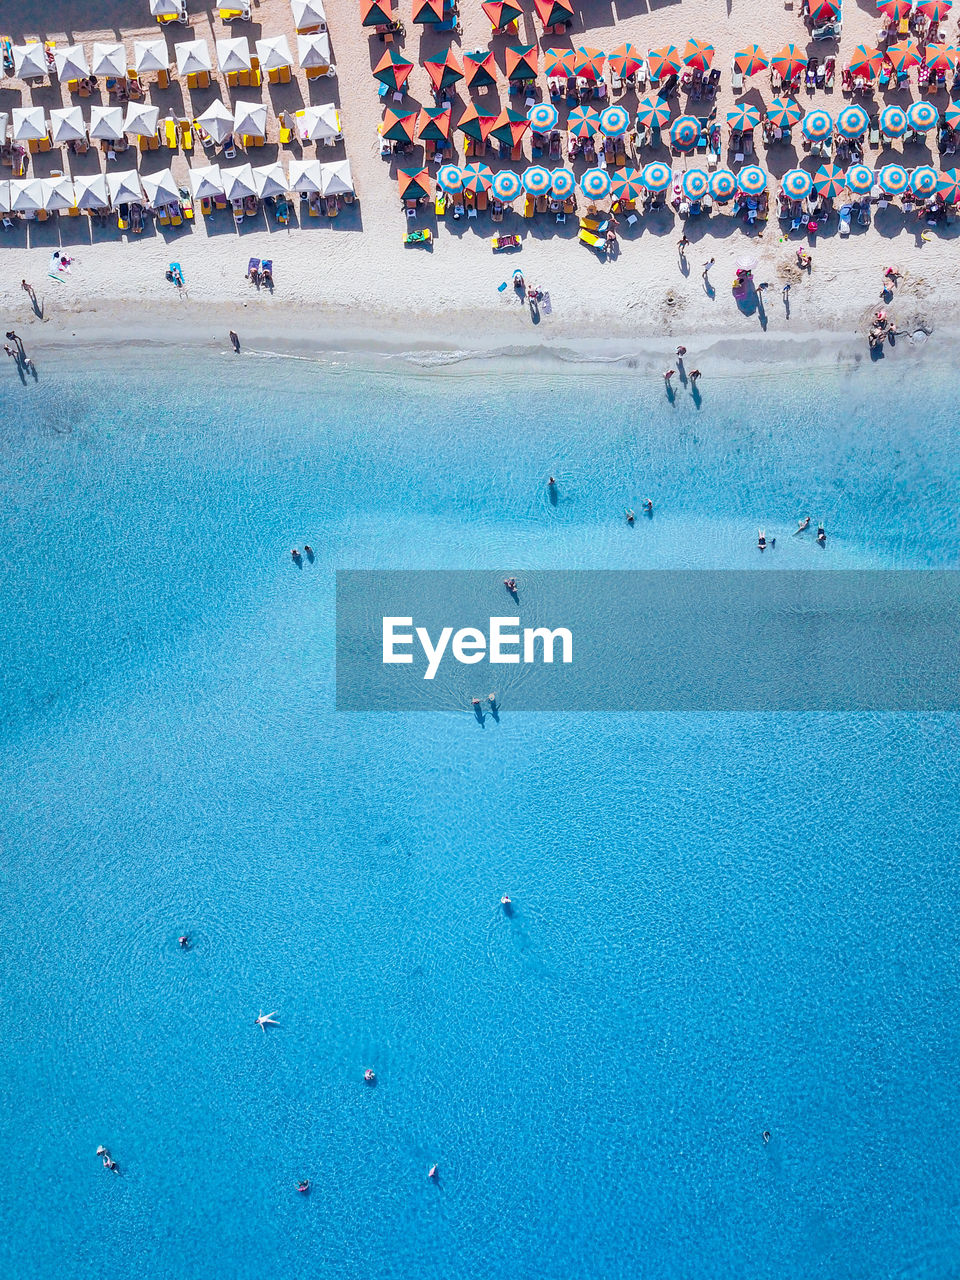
(176,216)
(123,218)
(736,79)
(528,207)
(171,133)
(219,202)
(591,240)
(163,217)
(286,133)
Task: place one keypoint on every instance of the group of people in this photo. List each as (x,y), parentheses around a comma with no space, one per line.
(693,375)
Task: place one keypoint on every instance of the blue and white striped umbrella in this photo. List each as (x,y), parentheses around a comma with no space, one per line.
(860,179)
(562,183)
(894,179)
(925,181)
(506,185)
(695,184)
(685,132)
(536,180)
(657,176)
(723,183)
(614,121)
(817,125)
(752,180)
(922,116)
(852,122)
(893,122)
(450,178)
(543,116)
(797,183)
(595,183)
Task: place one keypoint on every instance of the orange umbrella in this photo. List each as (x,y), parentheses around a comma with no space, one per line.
(941,57)
(399,128)
(428,12)
(698,54)
(414,184)
(434,124)
(559,62)
(501,12)
(509,127)
(624,60)
(475,125)
(522,61)
(904,54)
(663,62)
(444,71)
(789,62)
(375,13)
(393,70)
(551,12)
(865,61)
(751,60)
(479,70)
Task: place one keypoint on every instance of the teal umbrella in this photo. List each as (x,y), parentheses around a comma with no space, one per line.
(656,176)
(784,112)
(743,116)
(652,112)
(506,185)
(595,183)
(752,180)
(695,184)
(852,122)
(797,183)
(860,179)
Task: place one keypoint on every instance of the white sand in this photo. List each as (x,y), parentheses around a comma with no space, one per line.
(357,273)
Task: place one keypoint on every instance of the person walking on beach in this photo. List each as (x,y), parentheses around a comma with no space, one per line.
(28,290)
(707,266)
(14,337)
(682,246)
(235,340)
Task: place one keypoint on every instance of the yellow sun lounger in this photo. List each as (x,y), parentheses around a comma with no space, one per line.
(186,135)
(588,238)
(170,134)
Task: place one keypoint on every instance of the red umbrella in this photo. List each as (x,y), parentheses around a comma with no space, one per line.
(479,70)
(698,55)
(941,57)
(444,72)
(552,12)
(399,128)
(824,10)
(475,125)
(559,62)
(414,183)
(751,60)
(624,60)
(935,9)
(896,9)
(789,62)
(509,127)
(904,54)
(589,63)
(664,62)
(865,61)
(429,12)
(375,13)
(434,124)
(951,194)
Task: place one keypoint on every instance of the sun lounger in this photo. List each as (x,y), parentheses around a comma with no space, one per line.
(176,217)
(266,271)
(590,240)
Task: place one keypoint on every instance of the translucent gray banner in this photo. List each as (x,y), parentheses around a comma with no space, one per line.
(692,640)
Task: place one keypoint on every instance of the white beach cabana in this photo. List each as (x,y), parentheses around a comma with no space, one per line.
(233,54)
(206,183)
(90,191)
(141,119)
(336,179)
(5,197)
(106,123)
(58,192)
(238,183)
(250,119)
(66,125)
(124,187)
(193,57)
(319,124)
(274,53)
(27,195)
(150,56)
(308,14)
(168,8)
(28,124)
(270,180)
(217,120)
(313,51)
(109,59)
(30,61)
(71,62)
(305,175)
(160,188)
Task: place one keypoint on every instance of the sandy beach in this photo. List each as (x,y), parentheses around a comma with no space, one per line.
(353,273)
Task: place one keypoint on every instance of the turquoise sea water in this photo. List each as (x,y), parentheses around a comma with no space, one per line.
(723,924)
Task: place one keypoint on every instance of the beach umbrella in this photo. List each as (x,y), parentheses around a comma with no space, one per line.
(751,60)
(164,8)
(865,61)
(951,192)
(90,191)
(723,184)
(860,179)
(414,183)
(250,119)
(66,125)
(583,122)
(479,70)
(941,57)
(743,116)
(313,50)
(373,13)
(893,122)
(922,116)
(510,127)
(206,183)
(614,121)
(789,62)
(624,60)
(951,114)
(665,61)
(477,177)
(589,63)
(58,193)
(305,175)
(896,9)
(307,13)
(428,12)
(595,183)
(124,187)
(817,125)
(543,117)
(141,119)
(238,182)
(319,124)
(652,112)
(656,176)
(562,183)
(28,124)
(192,57)
(501,12)
(903,55)
(217,120)
(274,53)
(553,12)
(150,56)
(894,179)
(797,183)
(444,71)
(397,128)
(106,123)
(685,132)
(160,188)
(521,61)
(698,54)
(852,122)
(824,10)
(925,181)
(536,180)
(29,61)
(5,197)
(784,112)
(450,178)
(27,195)
(71,62)
(269,179)
(474,125)
(937,10)
(506,185)
(752,180)
(393,70)
(233,54)
(435,124)
(829,181)
(559,63)
(336,178)
(695,183)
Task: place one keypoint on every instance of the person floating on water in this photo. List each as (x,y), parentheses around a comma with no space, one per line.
(821,535)
(505,901)
(184,941)
(433,1172)
(766,1135)
(629,514)
(803,524)
(761,540)
(511,585)
(303,1186)
(370,1076)
(295,555)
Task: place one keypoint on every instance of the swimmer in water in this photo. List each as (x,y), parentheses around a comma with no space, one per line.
(803,524)
(295,554)
(184,941)
(761,540)
(629,515)
(766,1135)
(821,535)
(370,1076)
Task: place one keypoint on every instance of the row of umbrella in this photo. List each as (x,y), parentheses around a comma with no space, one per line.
(374,13)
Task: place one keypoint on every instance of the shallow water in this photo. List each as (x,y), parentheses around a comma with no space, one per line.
(723,924)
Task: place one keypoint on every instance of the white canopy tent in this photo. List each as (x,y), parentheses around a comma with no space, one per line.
(90,191)
(167,8)
(28,123)
(58,193)
(233,54)
(66,125)
(319,124)
(71,62)
(238,183)
(314,50)
(305,175)
(336,178)
(308,13)
(30,61)
(274,52)
(206,183)
(250,118)
(124,187)
(160,188)
(5,197)
(141,119)
(27,195)
(270,180)
(106,123)
(217,120)
(109,59)
(193,56)
(150,56)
